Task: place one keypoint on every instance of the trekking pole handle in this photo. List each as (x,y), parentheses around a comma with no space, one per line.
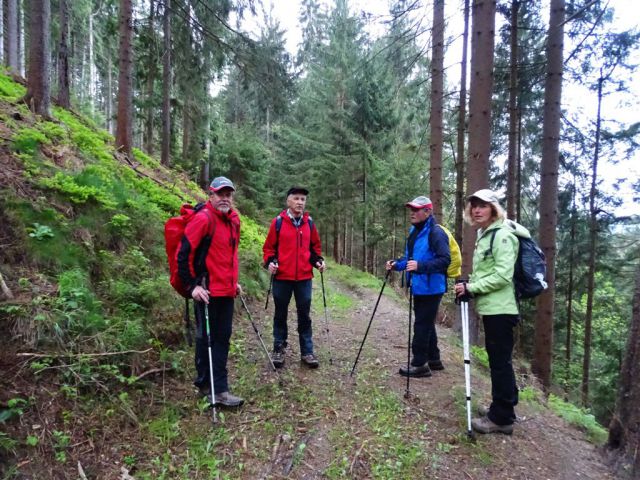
(466,296)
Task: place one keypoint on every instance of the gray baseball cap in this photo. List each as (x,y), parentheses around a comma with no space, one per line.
(219,183)
(485,195)
(420,202)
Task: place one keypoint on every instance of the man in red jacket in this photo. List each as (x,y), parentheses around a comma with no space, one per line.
(290,255)
(208,262)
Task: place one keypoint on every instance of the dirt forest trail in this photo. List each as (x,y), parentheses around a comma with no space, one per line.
(543,446)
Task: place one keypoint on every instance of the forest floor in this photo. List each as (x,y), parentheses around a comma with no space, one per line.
(297,423)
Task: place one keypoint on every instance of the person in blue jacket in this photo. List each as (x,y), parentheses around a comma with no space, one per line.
(426,259)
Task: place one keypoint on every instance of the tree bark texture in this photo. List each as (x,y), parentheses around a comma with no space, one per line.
(624,430)
(483,17)
(462,120)
(437,87)
(151,77)
(12,35)
(38,81)
(63,56)
(543,337)
(124,124)
(166,87)
(512,191)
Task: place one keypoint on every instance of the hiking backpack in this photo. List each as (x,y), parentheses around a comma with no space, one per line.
(530,269)
(454,270)
(173,233)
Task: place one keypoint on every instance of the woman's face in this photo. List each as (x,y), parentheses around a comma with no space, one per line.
(481,214)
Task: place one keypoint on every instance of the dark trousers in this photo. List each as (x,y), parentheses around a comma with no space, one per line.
(282,291)
(220,319)
(498,337)
(425,339)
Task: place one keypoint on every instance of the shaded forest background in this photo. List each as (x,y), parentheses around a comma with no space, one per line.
(367,122)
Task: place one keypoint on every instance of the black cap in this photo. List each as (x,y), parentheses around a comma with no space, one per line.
(301,190)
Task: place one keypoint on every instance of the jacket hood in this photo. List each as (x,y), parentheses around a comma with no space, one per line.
(517,229)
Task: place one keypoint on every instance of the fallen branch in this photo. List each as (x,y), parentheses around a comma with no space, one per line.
(355,457)
(153,370)
(75,355)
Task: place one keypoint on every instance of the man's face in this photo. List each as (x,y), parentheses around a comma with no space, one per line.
(418,215)
(222,200)
(296,203)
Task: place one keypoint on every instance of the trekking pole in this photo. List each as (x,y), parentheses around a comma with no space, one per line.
(407,393)
(255,329)
(386,277)
(326,320)
(208,329)
(463,301)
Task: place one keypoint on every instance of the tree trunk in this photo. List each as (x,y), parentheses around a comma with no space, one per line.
(2,32)
(624,430)
(543,337)
(437,86)
(92,65)
(166,87)
(21,51)
(12,36)
(364,213)
(38,82)
(462,107)
(482,46)
(513,112)
(109,100)
(593,237)
(572,240)
(124,125)
(151,77)
(63,57)
(519,170)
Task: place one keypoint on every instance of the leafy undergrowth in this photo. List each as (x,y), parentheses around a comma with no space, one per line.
(97,381)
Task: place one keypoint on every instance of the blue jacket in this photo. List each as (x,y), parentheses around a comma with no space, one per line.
(433,259)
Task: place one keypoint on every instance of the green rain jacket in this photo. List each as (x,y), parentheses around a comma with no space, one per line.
(491,282)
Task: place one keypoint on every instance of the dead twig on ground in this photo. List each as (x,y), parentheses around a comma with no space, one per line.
(76,355)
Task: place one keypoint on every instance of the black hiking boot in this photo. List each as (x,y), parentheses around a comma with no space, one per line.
(416,372)
(436,365)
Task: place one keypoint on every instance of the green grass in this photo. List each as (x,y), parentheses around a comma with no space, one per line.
(580,418)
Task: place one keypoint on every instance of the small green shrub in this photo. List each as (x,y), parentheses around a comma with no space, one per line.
(480,355)
(9,89)
(40,232)
(53,131)
(579,417)
(28,140)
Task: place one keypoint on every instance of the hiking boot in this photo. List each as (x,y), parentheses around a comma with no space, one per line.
(485,425)
(226,399)
(436,365)
(483,410)
(310,360)
(416,372)
(277,357)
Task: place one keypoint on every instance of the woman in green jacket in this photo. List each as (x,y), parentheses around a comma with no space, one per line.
(491,285)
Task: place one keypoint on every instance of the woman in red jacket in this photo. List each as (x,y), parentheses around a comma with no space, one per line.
(291,250)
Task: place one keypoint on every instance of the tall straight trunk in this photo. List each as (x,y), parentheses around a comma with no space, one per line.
(462,114)
(151,77)
(572,240)
(351,241)
(92,66)
(109,100)
(63,56)
(21,48)
(1,32)
(519,169)
(512,190)
(124,125)
(166,86)
(543,336)
(593,237)
(437,87)
(12,35)
(364,214)
(482,47)
(624,430)
(38,82)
